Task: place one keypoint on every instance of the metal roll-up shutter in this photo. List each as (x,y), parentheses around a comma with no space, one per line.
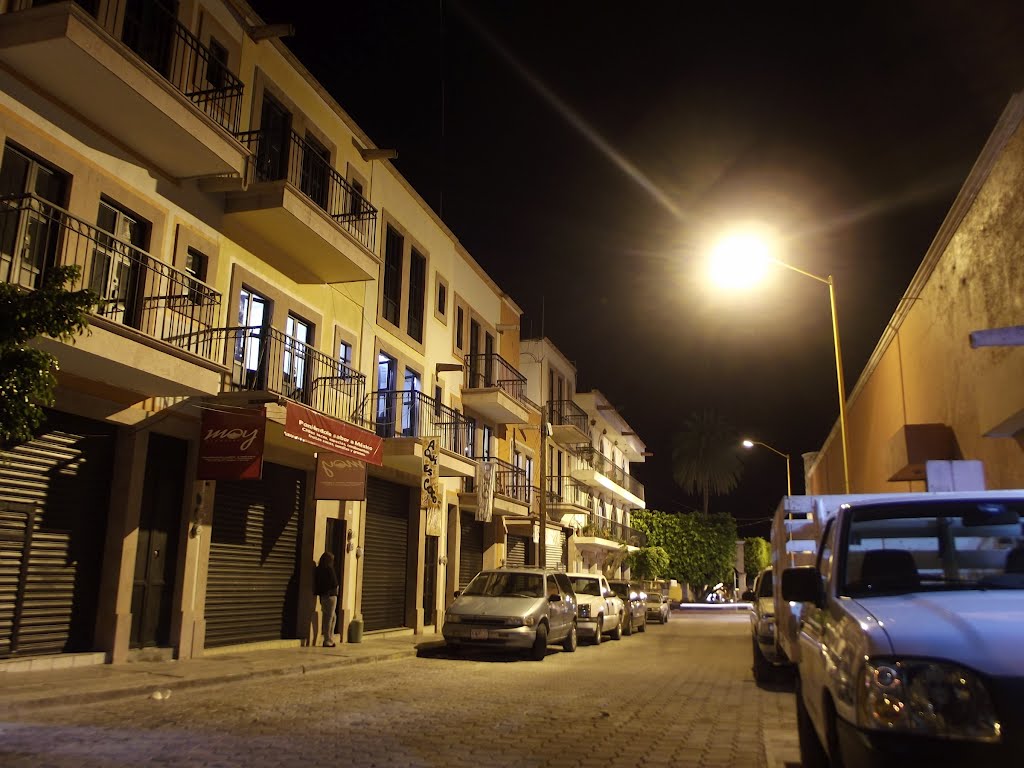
(54,502)
(517,551)
(555,556)
(252,585)
(385,555)
(471,549)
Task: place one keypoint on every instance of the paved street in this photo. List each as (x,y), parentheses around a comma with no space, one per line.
(678,695)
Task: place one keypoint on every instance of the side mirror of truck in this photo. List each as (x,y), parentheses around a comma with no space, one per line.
(801,585)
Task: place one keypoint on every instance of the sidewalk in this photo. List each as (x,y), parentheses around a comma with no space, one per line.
(74,685)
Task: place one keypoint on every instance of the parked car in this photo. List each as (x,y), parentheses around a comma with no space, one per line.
(513,608)
(633,596)
(658,608)
(599,609)
(767,658)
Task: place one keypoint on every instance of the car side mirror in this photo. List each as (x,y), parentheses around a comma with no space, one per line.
(554,598)
(748,595)
(802,585)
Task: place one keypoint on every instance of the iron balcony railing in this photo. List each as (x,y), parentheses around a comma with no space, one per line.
(308,169)
(563,489)
(491,370)
(601,463)
(509,480)
(133,288)
(267,360)
(567,413)
(604,528)
(151,29)
(410,413)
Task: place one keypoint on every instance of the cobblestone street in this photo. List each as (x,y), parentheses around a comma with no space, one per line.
(678,695)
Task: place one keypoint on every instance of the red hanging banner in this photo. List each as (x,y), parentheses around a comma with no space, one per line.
(231,444)
(333,435)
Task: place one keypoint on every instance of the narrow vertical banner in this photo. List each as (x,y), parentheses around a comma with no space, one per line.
(485,472)
(231,444)
(430,484)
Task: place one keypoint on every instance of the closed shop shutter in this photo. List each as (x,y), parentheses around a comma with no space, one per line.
(252,586)
(471,552)
(54,502)
(518,551)
(385,555)
(556,556)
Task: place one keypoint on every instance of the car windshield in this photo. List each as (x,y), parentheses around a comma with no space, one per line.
(654,598)
(934,546)
(620,589)
(500,584)
(765,588)
(583,586)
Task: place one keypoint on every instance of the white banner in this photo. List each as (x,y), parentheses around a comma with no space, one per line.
(430,485)
(485,490)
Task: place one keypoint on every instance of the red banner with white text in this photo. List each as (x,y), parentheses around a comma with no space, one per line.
(231,444)
(333,435)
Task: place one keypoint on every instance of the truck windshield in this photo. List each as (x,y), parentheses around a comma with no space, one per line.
(498,584)
(934,545)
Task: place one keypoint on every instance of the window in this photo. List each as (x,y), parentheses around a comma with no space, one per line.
(345,356)
(441,299)
(217,68)
(249,370)
(393,246)
(298,336)
(411,403)
(417,294)
(272,149)
(460,322)
(486,435)
(196,266)
(529,478)
(116,261)
(387,368)
(316,165)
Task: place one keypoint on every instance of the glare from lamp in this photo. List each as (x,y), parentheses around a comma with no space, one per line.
(740,260)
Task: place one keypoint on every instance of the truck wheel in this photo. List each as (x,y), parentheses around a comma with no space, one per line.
(762,669)
(540,644)
(629,625)
(569,644)
(617,632)
(597,630)
(812,754)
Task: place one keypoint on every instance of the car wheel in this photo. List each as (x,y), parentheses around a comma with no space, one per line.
(629,625)
(570,642)
(540,643)
(617,632)
(762,669)
(597,630)
(812,754)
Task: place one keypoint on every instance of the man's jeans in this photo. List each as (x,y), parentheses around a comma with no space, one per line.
(328,604)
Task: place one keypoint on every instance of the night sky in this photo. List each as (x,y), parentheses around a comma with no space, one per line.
(587,153)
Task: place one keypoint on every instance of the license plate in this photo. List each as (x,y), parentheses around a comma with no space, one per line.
(478,634)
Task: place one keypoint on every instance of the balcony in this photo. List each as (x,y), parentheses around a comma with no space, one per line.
(301,215)
(496,390)
(568,501)
(570,424)
(141,339)
(133,71)
(600,534)
(512,494)
(405,418)
(598,471)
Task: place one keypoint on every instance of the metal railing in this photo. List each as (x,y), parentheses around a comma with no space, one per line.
(563,489)
(601,463)
(492,370)
(410,413)
(604,528)
(307,169)
(509,480)
(152,31)
(265,359)
(133,288)
(567,413)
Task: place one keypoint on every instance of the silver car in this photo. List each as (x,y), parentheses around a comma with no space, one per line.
(514,609)
(657,608)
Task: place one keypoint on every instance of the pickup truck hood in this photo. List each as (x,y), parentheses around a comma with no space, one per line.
(980,629)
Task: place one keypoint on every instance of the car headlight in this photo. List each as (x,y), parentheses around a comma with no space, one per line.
(926,697)
(529,621)
(766,626)
(584,611)
(452,618)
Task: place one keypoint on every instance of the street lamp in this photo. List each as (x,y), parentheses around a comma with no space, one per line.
(751,443)
(741,260)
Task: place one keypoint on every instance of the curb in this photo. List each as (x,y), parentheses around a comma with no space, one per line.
(147,688)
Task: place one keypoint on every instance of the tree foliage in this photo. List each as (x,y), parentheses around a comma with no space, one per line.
(701,548)
(649,563)
(705,460)
(27,374)
(756,555)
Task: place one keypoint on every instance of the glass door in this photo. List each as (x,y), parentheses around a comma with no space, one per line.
(298,336)
(117,262)
(387,373)
(249,370)
(413,385)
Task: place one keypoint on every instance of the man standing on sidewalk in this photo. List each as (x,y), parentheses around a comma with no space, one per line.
(326,584)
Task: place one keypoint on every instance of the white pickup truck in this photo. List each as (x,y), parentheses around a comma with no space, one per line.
(598,609)
(907,631)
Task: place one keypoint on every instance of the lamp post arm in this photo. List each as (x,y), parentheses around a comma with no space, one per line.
(839,380)
(819,278)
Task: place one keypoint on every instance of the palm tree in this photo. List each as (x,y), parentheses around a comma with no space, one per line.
(704,456)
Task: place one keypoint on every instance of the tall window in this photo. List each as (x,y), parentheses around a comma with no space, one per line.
(197,264)
(345,356)
(116,261)
(411,403)
(460,322)
(253,320)
(486,433)
(393,245)
(316,165)
(387,369)
(417,293)
(217,68)
(529,478)
(298,335)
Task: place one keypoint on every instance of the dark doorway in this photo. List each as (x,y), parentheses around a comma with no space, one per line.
(156,556)
(429,579)
(149,27)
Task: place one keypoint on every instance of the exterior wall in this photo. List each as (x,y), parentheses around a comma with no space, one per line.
(924,369)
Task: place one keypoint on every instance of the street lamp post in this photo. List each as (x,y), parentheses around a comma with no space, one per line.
(789,483)
(742,253)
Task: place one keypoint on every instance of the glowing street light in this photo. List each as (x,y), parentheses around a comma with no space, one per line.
(751,443)
(740,261)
